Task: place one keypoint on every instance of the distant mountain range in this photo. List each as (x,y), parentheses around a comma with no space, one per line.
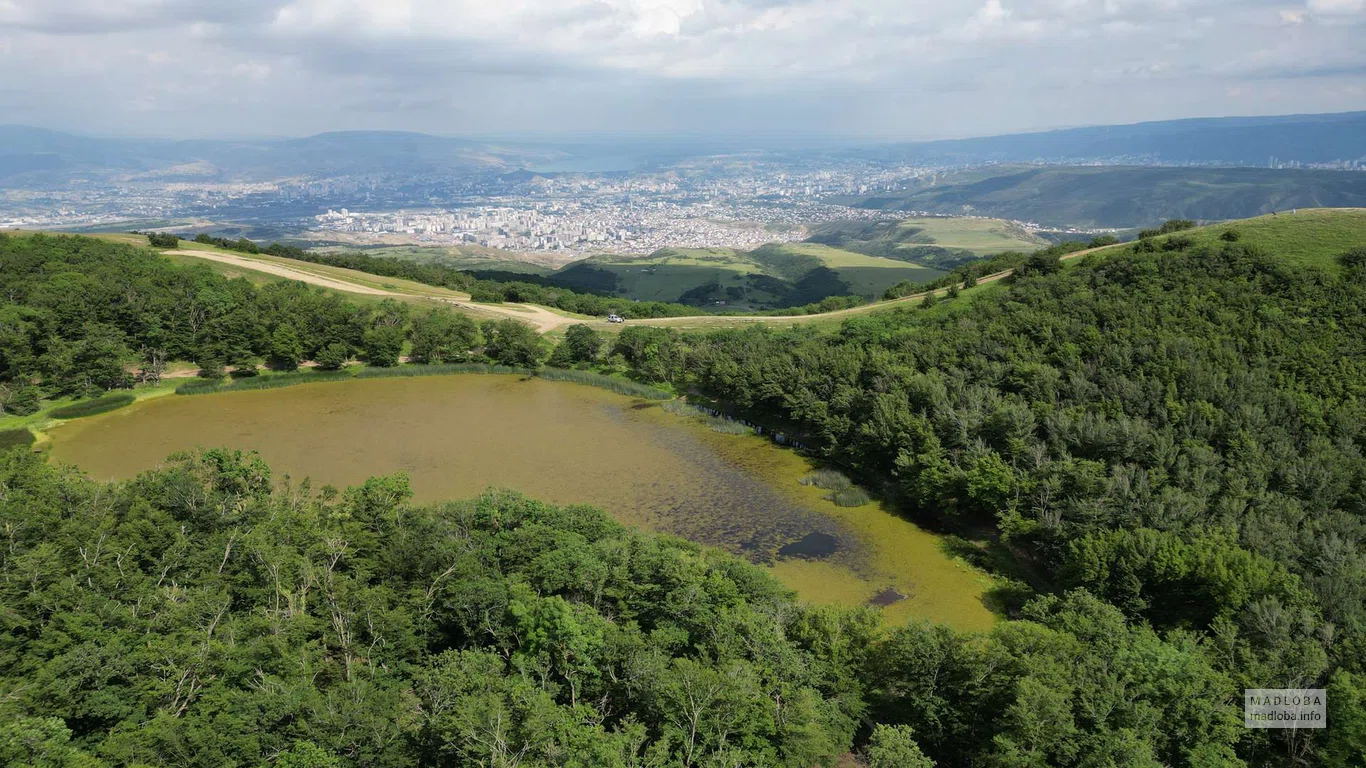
(1129,196)
(37,156)
(1258,141)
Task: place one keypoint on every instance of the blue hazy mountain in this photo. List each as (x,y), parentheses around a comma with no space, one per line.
(1209,141)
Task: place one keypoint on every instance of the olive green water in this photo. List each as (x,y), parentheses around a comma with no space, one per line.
(565,443)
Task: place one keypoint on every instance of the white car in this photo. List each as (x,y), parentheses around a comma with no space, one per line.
(615,319)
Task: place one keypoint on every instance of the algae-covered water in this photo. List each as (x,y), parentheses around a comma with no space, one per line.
(457,435)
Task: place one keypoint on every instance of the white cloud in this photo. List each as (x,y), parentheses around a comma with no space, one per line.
(1336,6)
(938,67)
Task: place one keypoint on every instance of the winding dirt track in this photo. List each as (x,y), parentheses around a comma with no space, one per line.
(544,320)
(721,321)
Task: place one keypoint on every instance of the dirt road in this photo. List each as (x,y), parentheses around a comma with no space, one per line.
(539,317)
(544,320)
(722,321)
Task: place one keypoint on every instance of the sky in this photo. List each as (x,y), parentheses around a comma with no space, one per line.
(867,69)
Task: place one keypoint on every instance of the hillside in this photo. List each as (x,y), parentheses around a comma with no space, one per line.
(1253,141)
(943,242)
(773,276)
(1174,426)
(34,156)
(1159,448)
(1311,237)
(1123,197)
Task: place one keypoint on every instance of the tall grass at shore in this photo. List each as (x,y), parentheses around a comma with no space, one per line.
(409,371)
(722,424)
(270,381)
(850,497)
(102,404)
(829,479)
(620,386)
(842,490)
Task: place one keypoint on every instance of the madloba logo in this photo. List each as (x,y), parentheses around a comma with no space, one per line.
(1285,708)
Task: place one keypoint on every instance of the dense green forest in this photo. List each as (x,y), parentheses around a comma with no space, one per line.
(79,314)
(210,614)
(1177,430)
(1165,443)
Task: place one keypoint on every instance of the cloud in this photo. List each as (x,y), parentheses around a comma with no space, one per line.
(1336,6)
(871,67)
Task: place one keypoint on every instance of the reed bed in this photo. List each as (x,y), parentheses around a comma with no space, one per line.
(728,426)
(620,386)
(829,479)
(680,408)
(714,420)
(269,381)
(91,407)
(850,497)
(408,371)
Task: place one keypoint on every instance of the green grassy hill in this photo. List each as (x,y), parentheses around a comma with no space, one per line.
(771,276)
(936,241)
(1310,237)
(470,257)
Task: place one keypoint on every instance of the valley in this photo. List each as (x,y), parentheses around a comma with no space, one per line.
(1039,456)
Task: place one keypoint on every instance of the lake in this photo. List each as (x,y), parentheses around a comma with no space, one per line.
(565,443)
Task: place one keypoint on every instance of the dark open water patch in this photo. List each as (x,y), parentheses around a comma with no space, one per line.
(886,597)
(814,545)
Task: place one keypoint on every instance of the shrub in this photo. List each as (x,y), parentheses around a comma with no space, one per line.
(1353,258)
(1178,243)
(1041,263)
(163,240)
(211,368)
(22,401)
(333,357)
(1230,236)
(15,438)
(92,407)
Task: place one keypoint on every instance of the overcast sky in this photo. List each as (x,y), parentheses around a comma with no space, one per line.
(868,68)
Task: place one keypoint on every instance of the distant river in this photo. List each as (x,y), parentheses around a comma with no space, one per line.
(565,443)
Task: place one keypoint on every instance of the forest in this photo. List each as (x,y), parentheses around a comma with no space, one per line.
(80,316)
(1161,447)
(210,613)
(1178,430)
